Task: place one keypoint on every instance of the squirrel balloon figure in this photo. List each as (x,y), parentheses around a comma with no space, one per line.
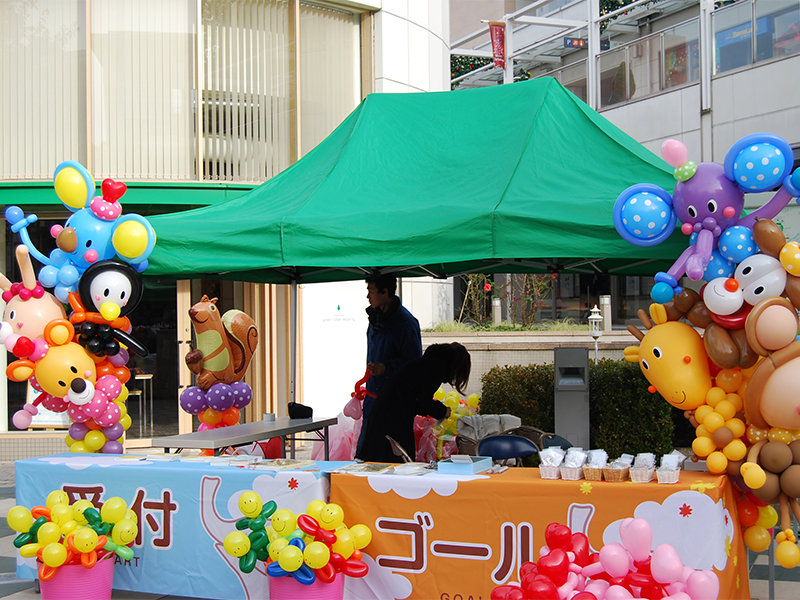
(226,344)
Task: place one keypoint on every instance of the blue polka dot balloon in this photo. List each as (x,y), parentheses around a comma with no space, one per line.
(736,243)
(759,162)
(718,266)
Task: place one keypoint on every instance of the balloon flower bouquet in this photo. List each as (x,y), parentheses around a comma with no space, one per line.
(437,441)
(74,544)
(568,570)
(311,549)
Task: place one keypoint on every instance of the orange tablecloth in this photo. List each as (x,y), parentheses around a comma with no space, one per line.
(452,538)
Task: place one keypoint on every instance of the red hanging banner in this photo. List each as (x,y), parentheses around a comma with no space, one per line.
(497,31)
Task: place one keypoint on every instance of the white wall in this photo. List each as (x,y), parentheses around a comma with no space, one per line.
(412,54)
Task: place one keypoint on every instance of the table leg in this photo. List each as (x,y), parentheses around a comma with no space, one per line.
(327,454)
(283,446)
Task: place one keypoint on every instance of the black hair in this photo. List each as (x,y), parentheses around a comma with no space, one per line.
(457,363)
(384,281)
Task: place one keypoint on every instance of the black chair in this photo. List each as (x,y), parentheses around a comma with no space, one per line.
(503,448)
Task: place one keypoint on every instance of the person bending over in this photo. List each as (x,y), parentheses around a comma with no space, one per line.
(408,393)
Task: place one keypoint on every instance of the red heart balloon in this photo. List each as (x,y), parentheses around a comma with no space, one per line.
(557,536)
(507,592)
(640,579)
(555,566)
(113,190)
(526,567)
(579,546)
(621,581)
(541,590)
(531,575)
(643,566)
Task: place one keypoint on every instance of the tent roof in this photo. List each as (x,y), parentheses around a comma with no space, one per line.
(511,178)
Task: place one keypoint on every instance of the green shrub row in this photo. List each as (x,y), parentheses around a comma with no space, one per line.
(624,417)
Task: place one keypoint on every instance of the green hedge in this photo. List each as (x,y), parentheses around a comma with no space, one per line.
(624,416)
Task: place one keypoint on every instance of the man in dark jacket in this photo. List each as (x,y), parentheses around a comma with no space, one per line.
(393,338)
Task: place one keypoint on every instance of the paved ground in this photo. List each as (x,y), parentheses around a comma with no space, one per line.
(786,584)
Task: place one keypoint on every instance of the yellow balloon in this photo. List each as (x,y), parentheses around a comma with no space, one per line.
(48,533)
(736,426)
(290,558)
(703,446)
(276,546)
(754,475)
(316,555)
(113,510)
(736,450)
(250,504)
(787,554)
(362,535)
(345,544)
(68,441)
(131,516)
(271,534)
(29,550)
(124,532)
(130,239)
(78,447)
(729,380)
(61,513)
(68,528)
(56,497)
(331,516)
(439,395)
(451,402)
(717,462)
(714,396)
(736,401)
(71,188)
(20,519)
(94,440)
(125,422)
(757,538)
(77,511)
(702,412)
(236,543)
(54,555)
(767,517)
(85,540)
(726,409)
(284,522)
(314,508)
(712,422)
(473,400)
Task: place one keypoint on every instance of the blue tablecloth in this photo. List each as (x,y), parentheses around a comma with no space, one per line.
(185,510)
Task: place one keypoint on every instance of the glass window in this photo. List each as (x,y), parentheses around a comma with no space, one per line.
(681,55)
(617,81)
(246,89)
(645,75)
(573,78)
(142,73)
(777,28)
(43,62)
(733,31)
(330,70)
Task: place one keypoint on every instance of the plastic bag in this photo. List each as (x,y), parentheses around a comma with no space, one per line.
(342,440)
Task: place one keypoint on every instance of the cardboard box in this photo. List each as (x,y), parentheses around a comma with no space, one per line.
(477,464)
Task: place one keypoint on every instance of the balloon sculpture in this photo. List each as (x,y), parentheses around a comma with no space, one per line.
(78,365)
(96,230)
(61,533)
(225,345)
(314,545)
(438,441)
(568,570)
(736,383)
(708,199)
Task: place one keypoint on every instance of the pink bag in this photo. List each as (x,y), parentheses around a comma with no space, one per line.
(353,408)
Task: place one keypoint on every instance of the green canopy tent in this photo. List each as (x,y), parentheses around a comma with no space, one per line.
(512,178)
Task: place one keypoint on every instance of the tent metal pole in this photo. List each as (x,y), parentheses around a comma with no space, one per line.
(293,341)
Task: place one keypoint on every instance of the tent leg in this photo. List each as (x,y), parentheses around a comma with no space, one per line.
(293,342)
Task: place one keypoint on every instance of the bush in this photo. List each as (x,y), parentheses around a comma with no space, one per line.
(624,417)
